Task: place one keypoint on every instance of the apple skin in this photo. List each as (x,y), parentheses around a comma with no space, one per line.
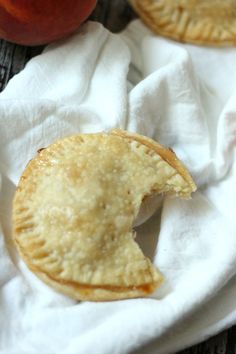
(36,22)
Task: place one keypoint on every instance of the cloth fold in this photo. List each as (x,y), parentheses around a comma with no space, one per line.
(184,97)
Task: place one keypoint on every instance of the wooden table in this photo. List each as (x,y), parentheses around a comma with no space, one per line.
(114,14)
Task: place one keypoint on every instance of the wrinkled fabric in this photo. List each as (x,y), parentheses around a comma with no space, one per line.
(181,95)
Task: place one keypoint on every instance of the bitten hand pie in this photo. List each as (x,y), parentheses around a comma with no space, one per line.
(74,209)
(203,22)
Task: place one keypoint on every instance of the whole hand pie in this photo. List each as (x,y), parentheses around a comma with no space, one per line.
(74,209)
(195,21)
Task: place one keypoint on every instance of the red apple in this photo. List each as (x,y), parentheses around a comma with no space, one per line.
(34,22)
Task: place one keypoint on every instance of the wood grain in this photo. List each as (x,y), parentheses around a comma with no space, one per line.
(114,15)
(13,59)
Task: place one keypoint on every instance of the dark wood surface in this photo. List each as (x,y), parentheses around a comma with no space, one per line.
(114,14)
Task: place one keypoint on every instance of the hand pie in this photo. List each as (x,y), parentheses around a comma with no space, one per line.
(204,22)
(74,209)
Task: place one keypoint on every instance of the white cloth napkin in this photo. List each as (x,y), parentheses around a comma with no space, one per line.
(184,97)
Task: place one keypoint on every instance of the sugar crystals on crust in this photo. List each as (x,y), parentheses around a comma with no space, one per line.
(74,209)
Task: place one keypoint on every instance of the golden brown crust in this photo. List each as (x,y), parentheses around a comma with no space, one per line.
(98,293)
(74,209)
(200,22)
(166,154)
